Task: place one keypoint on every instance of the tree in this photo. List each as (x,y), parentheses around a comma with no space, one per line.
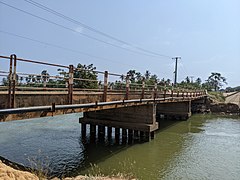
(153,79)
(187,80)
(198,81)
(139,77)
(45,76)
(131,74)
(4,81)
(215,81)
(147,74)
(87,77)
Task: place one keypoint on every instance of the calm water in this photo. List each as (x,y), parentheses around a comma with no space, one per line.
(204,147)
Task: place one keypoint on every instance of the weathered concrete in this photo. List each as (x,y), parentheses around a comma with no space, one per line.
(45,98)
(142,118)
(175,109)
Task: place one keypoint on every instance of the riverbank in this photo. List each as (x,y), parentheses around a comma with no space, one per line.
(216,106)
(9,173)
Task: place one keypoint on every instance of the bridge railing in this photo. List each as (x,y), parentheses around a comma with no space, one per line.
(16,80)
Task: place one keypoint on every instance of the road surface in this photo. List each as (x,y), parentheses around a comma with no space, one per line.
(234,98)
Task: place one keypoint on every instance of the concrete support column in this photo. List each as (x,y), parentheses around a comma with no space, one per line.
(117,135)
(101,132)
(130,136)
(83,130)
(92,132)
(124,136)
(109,132)
(141,136)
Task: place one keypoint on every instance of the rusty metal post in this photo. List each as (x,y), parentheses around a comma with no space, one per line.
(164,95)
(70,85)
(14,79)
(10,83)
(105,86)
(127,87)
(155,91)
(143,88)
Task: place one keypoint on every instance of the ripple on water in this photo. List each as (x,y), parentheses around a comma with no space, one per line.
(204,147)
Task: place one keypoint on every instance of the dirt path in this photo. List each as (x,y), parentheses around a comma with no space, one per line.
(235,99)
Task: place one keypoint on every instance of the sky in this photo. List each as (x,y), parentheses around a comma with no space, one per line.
(205,34)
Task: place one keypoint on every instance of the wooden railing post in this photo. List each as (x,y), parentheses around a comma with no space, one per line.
(10,83)
(70,85)
(127,87)
(143,88)
(172,93)
(105,86)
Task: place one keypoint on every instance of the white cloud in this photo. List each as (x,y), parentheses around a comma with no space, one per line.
(79,29)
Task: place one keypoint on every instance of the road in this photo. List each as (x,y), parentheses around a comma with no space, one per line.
(234,98)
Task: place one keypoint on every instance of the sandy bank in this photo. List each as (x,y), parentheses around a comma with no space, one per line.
(8,173)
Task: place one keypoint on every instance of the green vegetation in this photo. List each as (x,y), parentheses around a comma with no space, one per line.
(215,81)
(86,77)
(230,89)
(217,96)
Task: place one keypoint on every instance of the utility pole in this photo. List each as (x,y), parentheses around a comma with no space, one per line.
(175,72)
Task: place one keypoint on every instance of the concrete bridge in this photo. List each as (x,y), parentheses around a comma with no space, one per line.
(133,109)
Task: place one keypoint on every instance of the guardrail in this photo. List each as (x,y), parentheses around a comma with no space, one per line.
(44,82)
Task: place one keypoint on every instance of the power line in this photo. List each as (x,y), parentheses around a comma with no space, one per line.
(41,6)
(70,29)
(64,48)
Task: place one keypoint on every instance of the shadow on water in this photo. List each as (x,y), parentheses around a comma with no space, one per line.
(94,153)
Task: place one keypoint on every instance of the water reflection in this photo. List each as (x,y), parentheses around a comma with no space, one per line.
(204,147)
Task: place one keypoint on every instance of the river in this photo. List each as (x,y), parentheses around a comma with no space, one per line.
(204,147)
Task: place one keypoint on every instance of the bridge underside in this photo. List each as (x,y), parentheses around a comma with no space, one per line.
(176,110)
(138,119)
(141,118)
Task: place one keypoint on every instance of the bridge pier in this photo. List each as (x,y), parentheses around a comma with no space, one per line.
(176,110)
(129,119)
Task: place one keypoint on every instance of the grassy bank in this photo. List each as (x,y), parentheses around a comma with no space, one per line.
(217,96)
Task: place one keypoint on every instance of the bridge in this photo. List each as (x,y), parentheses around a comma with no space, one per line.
(131,107)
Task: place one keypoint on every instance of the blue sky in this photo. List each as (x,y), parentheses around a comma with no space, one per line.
(205,33)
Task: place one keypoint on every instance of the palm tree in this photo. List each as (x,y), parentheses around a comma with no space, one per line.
(45,75)
(147,74)
(131,74)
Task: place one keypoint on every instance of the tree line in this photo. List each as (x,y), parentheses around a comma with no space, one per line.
(84,73)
